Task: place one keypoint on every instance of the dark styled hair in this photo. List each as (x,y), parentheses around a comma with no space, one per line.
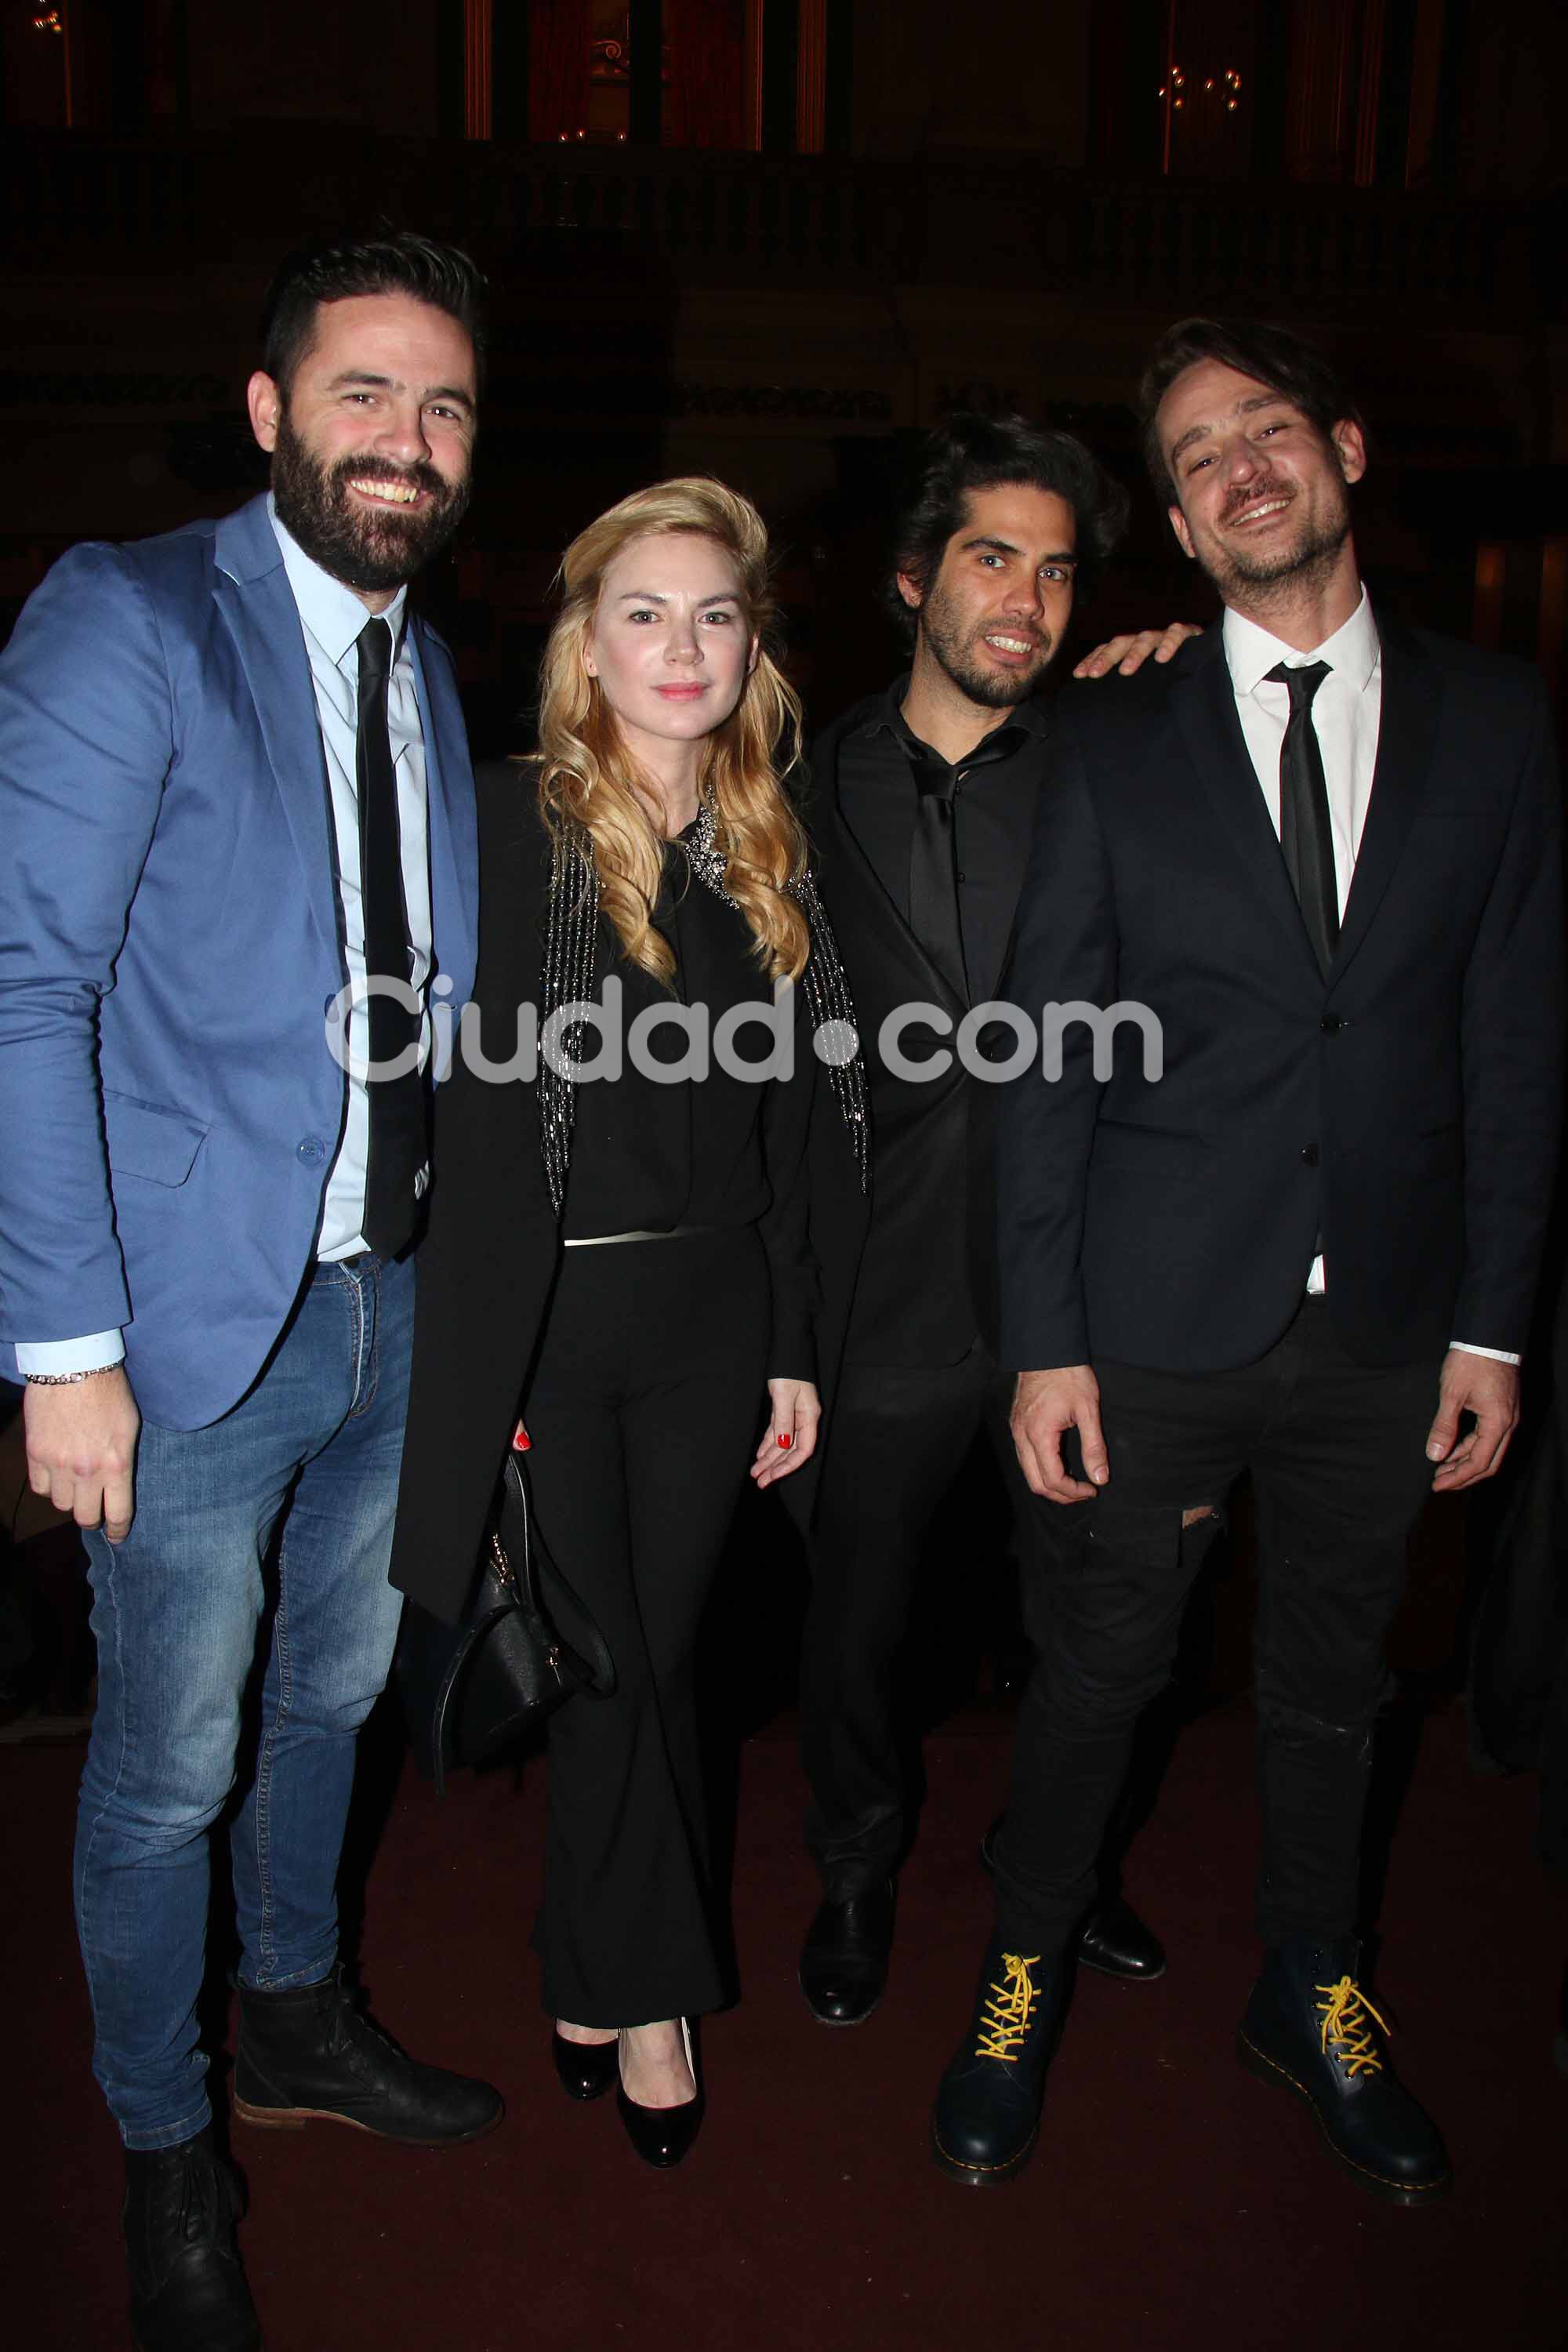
(1274,356)
(972,453)
(392,261)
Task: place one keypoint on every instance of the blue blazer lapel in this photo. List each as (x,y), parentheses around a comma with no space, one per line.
(1407,733)
(1205,709)
(453,825)
(252,593)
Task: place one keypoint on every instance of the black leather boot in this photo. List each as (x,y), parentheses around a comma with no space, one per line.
(307,2055)
(1113,1940)
(987,2119)
(844,1961)
(1310,2028)
(187,2290)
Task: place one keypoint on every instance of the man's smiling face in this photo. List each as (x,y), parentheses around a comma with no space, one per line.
(373,442)
(1002,595)
(1261,489)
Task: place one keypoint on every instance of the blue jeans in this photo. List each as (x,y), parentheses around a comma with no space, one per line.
(304,1467)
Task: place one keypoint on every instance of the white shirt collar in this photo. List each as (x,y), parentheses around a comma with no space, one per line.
(333,613)
(1352,650)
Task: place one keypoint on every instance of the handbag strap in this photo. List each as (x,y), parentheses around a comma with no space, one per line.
(526,1570)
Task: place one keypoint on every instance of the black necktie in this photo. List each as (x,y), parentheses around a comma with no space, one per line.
(1306,835)
(398,1143)
(933,877)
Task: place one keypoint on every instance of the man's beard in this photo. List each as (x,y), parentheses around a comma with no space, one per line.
(1306,563)
(993,689)
(365,549)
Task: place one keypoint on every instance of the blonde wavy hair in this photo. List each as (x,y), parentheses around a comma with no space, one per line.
(588,781)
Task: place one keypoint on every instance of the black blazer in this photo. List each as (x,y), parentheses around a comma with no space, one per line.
(1405,1110)
(909,1276)
(487,1264)
(480,1300)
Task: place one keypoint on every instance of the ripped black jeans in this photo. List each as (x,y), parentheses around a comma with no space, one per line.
(1336,1450)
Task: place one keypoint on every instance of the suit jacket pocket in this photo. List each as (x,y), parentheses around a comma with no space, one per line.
(145,1140)
(1150,1151)
(1438,1150)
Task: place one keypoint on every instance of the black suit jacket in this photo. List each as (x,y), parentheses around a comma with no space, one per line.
(1405,1110)
(909,1276)
(488,1261)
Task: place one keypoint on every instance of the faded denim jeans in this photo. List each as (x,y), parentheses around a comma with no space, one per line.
(303,1471)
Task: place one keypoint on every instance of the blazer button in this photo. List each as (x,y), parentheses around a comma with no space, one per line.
(1332,1023)
(1309,1155)
(311,1150)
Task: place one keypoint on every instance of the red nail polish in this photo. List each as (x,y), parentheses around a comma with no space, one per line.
(786,1442)
(520,1440)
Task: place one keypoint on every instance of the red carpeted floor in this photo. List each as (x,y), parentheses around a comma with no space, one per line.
(1174,2203)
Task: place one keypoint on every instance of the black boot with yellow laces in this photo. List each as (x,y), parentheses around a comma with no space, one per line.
(1310,2028)
(987,2119)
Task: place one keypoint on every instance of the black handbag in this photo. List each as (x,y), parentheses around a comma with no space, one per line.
(470,1689)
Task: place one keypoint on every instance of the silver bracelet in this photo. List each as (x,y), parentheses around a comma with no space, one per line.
(66,1379)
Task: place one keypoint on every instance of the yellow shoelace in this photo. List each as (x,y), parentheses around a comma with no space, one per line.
(1006,2010)
(1345,2015)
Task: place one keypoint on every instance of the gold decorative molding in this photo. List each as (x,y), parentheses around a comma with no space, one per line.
(478,68)
(810,79)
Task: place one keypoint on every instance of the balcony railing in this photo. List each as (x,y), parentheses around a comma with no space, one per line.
(763,221)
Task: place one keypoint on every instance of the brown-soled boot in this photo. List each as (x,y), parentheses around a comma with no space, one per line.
(307,2055)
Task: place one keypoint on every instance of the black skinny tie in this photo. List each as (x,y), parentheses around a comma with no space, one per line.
(933,877)
(398,1142)
(1306,835)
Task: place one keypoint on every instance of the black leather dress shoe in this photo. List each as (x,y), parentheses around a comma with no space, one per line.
(187,2290)
(307,2055)
(662,2135)
(1310,2028)
(585,2069)
(1113,1940)
(987,2117)
(844,1961)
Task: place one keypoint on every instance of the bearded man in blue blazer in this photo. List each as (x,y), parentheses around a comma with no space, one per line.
(233,782)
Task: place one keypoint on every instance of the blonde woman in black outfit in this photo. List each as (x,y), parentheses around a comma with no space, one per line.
(623,1259)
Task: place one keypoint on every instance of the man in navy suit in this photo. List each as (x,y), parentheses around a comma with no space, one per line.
(1301,1238)
(234,783)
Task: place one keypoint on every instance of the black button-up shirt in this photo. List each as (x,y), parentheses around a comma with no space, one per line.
(995,790)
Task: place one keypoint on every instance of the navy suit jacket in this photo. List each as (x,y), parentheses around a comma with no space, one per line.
(171,933)
(1405,1110)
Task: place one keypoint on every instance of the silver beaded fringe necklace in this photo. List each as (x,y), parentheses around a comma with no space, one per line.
(571,935)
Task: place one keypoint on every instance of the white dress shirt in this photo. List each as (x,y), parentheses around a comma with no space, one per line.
(1346,711)
(331,617)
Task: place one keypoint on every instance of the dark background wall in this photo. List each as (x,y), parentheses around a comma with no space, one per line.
(772,239)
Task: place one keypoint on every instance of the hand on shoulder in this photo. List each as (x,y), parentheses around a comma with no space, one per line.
(1127,654)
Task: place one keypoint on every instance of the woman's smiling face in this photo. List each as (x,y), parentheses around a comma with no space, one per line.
(669,642)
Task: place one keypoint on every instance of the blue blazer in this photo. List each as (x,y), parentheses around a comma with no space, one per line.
(170,937)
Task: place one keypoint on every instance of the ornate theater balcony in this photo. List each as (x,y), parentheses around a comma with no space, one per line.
(82,206)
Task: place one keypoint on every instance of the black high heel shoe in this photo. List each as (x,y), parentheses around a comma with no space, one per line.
(662,2135)
(585,2069)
